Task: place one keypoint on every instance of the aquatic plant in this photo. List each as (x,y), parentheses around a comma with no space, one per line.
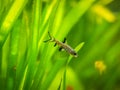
(26,62)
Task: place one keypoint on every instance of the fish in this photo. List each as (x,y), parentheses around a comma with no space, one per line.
(62,45)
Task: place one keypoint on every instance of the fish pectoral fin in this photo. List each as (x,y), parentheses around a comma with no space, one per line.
(55,44)
(60,49)
(64,40)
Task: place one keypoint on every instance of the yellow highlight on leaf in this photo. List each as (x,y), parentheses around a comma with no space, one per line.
(100,66)
(104,13)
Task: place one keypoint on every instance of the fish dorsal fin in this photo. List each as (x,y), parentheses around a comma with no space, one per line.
(64,41)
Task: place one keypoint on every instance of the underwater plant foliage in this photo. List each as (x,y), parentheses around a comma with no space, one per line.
(82,51)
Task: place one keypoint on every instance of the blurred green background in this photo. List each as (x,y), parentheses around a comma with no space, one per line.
(91,27)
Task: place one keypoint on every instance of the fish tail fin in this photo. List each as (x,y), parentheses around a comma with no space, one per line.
(52,39)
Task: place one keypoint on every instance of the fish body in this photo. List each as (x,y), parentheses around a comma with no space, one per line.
(62,45)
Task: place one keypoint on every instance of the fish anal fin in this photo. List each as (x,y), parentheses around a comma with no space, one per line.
(55,44)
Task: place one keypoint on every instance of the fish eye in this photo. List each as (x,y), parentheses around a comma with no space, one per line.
(75,53)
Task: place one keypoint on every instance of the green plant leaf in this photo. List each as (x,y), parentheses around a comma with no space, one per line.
(10,19)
